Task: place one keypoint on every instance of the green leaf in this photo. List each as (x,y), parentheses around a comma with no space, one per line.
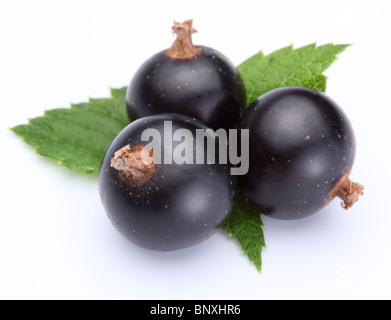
(245,224)
(288,67)
(78,137)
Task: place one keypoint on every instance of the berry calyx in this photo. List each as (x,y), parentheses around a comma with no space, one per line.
(347,190)
(183,47)
(136,165)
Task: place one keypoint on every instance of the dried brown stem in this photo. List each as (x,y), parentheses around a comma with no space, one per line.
(347,190)
(136,165)
(183,47)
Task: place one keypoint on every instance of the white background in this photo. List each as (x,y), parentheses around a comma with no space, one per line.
(55,240)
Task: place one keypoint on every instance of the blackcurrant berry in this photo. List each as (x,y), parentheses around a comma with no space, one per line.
(192,80)
(163,197)
(302,148)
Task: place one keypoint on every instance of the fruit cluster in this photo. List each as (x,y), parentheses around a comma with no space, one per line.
(174,194)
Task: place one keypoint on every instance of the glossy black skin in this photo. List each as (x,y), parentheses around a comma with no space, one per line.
(207,87)
(301,144)
(181,206)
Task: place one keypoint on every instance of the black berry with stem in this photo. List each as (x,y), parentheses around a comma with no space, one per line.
(186,79)
(302,149)
(164,206)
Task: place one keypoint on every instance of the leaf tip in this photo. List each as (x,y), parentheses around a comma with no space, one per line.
(258,265)
(345,45)
(18,130)
(112,91)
